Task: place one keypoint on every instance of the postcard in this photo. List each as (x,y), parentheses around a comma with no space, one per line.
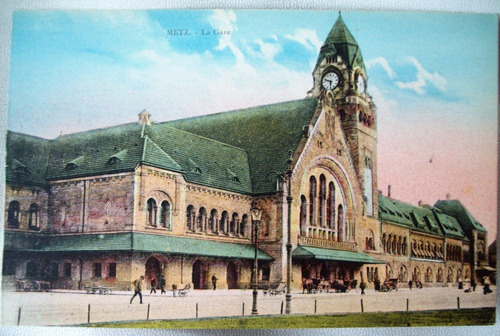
(250,169)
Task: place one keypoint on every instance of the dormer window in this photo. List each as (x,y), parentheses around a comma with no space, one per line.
(235,179)
(195,168)
(113,160)
(71,166)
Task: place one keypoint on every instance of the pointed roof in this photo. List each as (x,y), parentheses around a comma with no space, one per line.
(341,42)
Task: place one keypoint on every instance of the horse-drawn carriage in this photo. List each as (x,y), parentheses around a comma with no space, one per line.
(32,285)
(389,285)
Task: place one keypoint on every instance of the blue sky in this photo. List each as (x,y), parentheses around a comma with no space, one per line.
(432,76)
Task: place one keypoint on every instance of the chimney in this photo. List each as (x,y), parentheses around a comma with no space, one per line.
(420,203)
(389,190)
(144,117)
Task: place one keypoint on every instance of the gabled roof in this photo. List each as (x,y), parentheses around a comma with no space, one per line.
(267,134)
(456,209)
(341,42)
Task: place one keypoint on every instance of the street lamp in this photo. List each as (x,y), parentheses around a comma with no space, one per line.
(256,212)
(289,199)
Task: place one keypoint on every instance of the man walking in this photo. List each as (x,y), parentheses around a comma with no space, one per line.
(410,283)
(162,284)
(214,282)
(362,286)
(153,286)
(137,288)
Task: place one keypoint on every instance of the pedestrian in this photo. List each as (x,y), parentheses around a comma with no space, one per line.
(473,284)
(162,284)
(153,286)
(174,290)
(137,288)
(410,284)
(214,282)
(460,283)
(377,284)
(486,284)
(362,286)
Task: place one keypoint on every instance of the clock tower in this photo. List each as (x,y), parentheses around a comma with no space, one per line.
(340,84)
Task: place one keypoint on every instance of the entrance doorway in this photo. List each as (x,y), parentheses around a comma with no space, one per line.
(153,270)
(199,278)
(232,276)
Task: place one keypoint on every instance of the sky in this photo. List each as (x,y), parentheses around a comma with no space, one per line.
(433,78)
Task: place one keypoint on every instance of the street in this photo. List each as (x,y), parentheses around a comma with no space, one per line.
(77,307)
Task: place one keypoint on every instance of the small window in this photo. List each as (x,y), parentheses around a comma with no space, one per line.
(113,160)
(235,179)
(33,221)
(266,272)
(97,270)
(67,270)
(112,270)
(13,214)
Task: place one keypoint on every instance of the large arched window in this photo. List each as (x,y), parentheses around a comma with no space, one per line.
(404,247)
(403,274)
(33,221)
(213,221)
(312,200)
(151,212)
(341,223)
(224,221)
(234,225)
(416,274)
(450,275)
(165,215)
(201,224)
(244,226)
(322,200)
(13,215)
(370,240)
(330,206)
(191,215)
(303,216)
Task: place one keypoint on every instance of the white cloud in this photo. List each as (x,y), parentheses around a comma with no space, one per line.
(423,78)
(268,50)
(384,64)
(307,38)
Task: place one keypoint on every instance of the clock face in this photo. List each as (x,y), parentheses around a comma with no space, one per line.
(330,81)
(361,84)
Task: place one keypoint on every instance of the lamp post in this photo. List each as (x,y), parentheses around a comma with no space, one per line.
(256,212)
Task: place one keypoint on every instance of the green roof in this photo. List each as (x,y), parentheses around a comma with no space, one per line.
(419,218)
(241,151)
(341,42)
(128,241)
(26,160)
(456,209)
(267,134)
(307,252)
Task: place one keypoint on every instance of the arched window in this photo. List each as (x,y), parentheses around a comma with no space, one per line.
(224,221)
(404,247)
(403,274)
(394,245)
(416,274)
(439,276)
(389,244)
(165,215)
(341,223)
(234,225)
(33,222)
(312,200)
(384,238)
(13,215)
(244,226)
(459,275)
(330,206)
(450,275)
(399,246)
(201,224)
(428,275)
(151,212)
(213,221)
(322,200)
(370,240)
(388,271)
(303,215)
(191,215)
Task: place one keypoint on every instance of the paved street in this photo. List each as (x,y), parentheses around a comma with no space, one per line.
(63,308)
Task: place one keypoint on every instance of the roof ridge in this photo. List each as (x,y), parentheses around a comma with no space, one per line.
(233,111)
(28,135)
(65,136)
